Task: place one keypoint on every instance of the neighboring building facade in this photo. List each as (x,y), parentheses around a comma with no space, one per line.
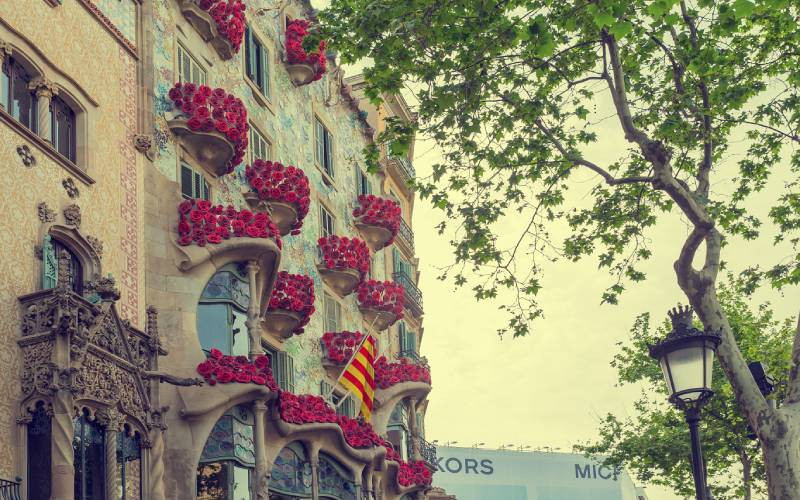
(139,265)
(478,474)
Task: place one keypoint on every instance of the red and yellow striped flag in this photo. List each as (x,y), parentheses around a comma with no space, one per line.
(359,376)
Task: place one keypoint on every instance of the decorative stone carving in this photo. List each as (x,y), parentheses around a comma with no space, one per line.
(96,245)
(72,216)
(46,214)
(172,379)
(37,370)
(5,50)
(106,288)
(107,336)
(112,419)
(26,156)
(43,87)
(144,144)
(70,187)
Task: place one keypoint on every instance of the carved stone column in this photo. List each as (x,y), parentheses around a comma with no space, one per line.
(22,449)
(314,459)
(62,472)
(252,311)
(45,90)
(155,455)
(5,51)
(412,427)
(260,438)
(112,420)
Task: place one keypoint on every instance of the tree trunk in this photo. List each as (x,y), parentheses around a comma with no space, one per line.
(780,443)
(746,474)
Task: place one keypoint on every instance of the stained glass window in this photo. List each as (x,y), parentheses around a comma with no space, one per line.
(228,458)
(222,312)
(334,481)
(88,446)
(291,472)
(129,466)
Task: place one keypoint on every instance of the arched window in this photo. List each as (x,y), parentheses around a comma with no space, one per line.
(88,446)
(63,128)
(334,480)
(228,459)
(290,477)
(51,250)
(17,99)
(39,435)
(129,465)
(222,312)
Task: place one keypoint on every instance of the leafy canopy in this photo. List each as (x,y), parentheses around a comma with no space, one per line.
(512,91)
(653,443)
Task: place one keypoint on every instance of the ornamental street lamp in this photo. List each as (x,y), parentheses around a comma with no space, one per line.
(686,356)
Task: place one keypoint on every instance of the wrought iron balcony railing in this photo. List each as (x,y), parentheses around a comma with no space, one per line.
(410,354)
(413,296)
(404,166)
(427,451)
(9,490)
(405,235)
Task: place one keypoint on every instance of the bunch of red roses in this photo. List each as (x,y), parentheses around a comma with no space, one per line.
(305,409)
(385,296)
(377,211)
(339,346)
(229,16)
(294,292)
(391,453)
(202,223)
(226,369)
(296,31)
(341,252)
(359,434)
(273,181)
(209,110)
(414,473)
(388,374)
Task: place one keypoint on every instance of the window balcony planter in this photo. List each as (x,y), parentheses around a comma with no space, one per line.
(223,369)
(389,374)
(282,190)
(290,306)
(378,220)
(413,476)
(219,22)
(381,303)
(202,224)
(211,124)
(345,262)
(303,68)
(339,347)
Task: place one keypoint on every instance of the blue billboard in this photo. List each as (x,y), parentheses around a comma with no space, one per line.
(478,474)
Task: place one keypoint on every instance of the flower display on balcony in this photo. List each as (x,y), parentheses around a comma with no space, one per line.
(341,252)
(388,374)
(229,17)
(391,453)
(314,62)
(385,296)
(340,346)
(414,473)
(208,110)
(378,218)
(200,223)
(293,293)
(359,434)
(224,369)
(274,182)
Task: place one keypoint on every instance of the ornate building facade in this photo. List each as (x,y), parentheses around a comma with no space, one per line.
(195,251)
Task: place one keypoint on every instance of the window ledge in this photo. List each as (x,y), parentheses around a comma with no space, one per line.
(259,96)
(326,178)
(46,148)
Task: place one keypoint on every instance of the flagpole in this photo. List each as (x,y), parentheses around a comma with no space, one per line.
(352,357)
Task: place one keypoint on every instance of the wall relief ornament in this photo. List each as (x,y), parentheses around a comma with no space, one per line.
(72,216)
(96,245)
(144,144)
(70,187)
(46,214)
(26,156)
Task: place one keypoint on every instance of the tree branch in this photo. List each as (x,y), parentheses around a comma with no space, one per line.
(793,385)
(619,95)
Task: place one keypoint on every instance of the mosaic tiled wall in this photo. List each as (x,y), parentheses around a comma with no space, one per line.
(291,132)
(122,14)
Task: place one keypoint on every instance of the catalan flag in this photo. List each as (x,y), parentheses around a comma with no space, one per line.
(359,376)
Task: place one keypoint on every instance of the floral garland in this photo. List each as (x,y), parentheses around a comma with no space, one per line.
(385,296)
(223,369)
(273,181)
(414,473)
(209,110)
(296,31)
(294,292)
(229,16)
(341,252)
(202,223)
(339,346)
(389,374)
(377,211)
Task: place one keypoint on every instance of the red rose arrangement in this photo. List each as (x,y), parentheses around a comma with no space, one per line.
(223,369)
(414,473)
(296,31)
(229,17)
(294,292)
(340,252)
(213,110)
(388,374)
(377,211)
(273,181)
(385,296)
(340,346)
(391,453)
(359,434)
(202,223)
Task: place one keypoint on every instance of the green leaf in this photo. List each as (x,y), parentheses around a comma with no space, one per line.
(603,18)
(743,8)
(620,29)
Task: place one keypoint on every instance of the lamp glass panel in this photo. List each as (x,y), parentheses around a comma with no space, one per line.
(709,365)
(686,367)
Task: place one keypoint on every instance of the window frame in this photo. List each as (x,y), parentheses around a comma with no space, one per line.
(259,134)
(362,180)
(180,51)
(262,89)
(205,187)
(326,214)
(72,135)
(234,310)
(328,298)
(324,149)
(12,65)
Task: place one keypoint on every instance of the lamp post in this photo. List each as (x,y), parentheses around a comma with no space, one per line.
(686,356)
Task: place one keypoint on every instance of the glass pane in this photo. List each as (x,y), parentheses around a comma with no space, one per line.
(129,467)
(4,84)
(197,179)
(241,341)
(39,432)
(241,483)
(186,66)
(206,195)
(23,103)
(290,473)
(686,366)
(186,182)
(265,71)
(196,75)
(213,327)
(88,447)
(319,152)
(212,481)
